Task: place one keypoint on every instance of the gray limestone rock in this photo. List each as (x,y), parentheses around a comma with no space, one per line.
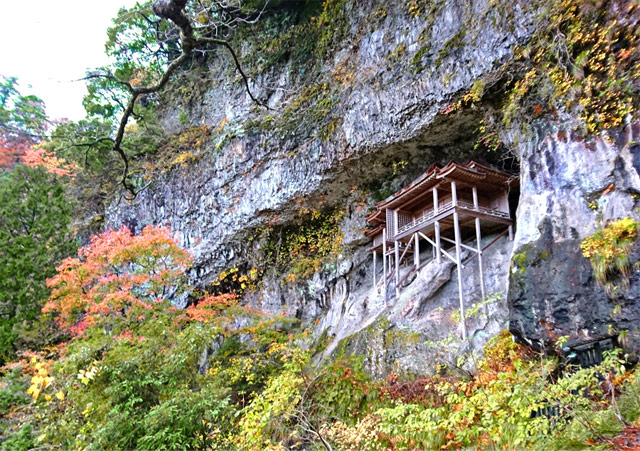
(569,188)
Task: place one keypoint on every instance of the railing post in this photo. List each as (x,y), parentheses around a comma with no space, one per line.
(474,190)
(395,222)
(454,194)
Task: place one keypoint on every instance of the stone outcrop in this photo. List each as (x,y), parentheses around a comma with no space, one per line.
(569,188)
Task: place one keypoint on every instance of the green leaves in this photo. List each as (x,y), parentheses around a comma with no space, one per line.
(34,237)
(19,114)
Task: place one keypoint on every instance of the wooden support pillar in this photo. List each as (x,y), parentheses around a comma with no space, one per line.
(456,229)
(384,262)
(397,258)
(373,253)
(436,226)
(474,191)
(479,247)
(416,251)
(456,225)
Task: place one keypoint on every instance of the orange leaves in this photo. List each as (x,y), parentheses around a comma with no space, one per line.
(11,151)
(208,307)
(118,274)
(35,156)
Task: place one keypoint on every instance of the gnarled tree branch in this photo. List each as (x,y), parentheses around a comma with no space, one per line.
(172,10)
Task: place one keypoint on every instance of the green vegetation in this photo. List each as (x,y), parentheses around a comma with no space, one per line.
(495,408)
(299,250)
(582,60)
(141,374)
(34,238)
(608,250)
(95,354)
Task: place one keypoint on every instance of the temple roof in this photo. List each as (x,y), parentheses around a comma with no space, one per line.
(471,173)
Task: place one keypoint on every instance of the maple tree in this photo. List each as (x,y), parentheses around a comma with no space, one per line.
(36,156)
(117,277)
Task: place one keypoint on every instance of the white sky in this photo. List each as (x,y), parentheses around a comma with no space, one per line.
(50,43)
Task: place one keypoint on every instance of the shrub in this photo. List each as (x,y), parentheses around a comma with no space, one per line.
(608,249)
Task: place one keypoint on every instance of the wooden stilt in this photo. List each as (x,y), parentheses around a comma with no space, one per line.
(456,228)
(397,258)
(416,251)
(476,205)
(436,208)
(374,268)
(384,262)
(479,247)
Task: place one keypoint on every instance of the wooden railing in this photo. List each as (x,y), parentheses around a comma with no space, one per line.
(485,210)
(425,218)
(428,216)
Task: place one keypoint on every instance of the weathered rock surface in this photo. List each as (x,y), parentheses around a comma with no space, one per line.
(570,187)
(418,331)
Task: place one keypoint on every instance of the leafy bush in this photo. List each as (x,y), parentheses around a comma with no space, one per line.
(608,249)
(505,406)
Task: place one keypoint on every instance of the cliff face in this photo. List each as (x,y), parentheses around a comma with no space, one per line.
(375,113)
(569,189)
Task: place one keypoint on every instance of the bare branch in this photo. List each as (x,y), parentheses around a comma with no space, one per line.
(238,66)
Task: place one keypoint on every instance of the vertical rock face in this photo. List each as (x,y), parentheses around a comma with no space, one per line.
(402,71)
(569,188)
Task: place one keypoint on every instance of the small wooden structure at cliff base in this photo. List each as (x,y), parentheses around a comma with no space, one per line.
(445,208)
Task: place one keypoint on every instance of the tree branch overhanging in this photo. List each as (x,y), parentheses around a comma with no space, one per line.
(172,10)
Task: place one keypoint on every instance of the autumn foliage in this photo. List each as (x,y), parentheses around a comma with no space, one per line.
(35,156)
(11,151)
(118,275)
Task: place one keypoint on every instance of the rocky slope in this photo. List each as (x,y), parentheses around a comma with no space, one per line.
(375,112)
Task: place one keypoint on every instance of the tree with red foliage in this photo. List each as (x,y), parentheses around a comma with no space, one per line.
(36,156)
(118,277)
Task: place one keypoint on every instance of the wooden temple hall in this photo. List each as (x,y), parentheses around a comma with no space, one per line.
(446,209)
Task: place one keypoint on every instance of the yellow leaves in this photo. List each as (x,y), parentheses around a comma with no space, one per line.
(138,77)
(40,380)
(34,391)
(89,374)
(183,159)
(608,248)
(203,18)
(223,122)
